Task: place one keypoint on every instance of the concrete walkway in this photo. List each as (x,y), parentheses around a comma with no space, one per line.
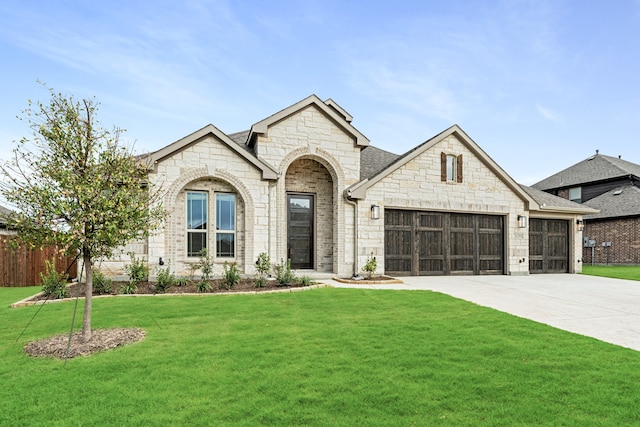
(602,308)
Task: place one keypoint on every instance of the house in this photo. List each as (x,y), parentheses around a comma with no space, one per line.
(612,186)
(4,229)
(304,184)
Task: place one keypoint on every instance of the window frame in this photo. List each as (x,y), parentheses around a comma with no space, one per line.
(190,231)
(226,232)
(451,174)
(575,199)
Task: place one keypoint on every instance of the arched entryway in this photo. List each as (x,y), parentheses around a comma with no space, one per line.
(309,193)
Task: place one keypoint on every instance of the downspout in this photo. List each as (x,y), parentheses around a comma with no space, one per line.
(354,203)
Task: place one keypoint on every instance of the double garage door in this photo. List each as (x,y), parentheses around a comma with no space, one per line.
(441,243)
(422,243)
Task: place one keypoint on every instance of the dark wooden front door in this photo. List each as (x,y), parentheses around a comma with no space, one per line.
(548,246)
(443,243)
(300,230)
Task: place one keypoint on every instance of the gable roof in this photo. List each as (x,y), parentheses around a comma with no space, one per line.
(242,150)
(358,190)
(549,203)
(621,202)
(595,168)
(332,110)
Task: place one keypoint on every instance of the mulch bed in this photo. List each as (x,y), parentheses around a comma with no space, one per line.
(101,340)
(150,288)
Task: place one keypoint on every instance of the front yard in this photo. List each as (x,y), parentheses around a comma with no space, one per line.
(322,357)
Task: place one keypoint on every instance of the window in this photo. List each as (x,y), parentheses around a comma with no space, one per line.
(196,222)
(225,225)
(575,194)
(451,167)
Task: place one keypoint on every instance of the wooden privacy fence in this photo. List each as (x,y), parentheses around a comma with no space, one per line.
(22,267)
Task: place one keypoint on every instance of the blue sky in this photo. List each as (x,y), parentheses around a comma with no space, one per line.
(539,85)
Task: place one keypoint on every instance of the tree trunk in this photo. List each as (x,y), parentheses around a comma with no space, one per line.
(88,292)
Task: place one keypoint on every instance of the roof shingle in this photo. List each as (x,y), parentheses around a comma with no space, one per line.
(595,168)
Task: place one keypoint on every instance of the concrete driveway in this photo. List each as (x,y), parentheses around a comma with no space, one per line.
(602,308)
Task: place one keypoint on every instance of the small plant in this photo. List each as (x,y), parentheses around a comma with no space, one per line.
(129,288)
(101,285)
(203,286)
(305,280)
(231,275)
(205,264)
(137,271)
(259,282)
(182,281)
(54,284)
(284,275)
(370,266)
(263,266)
(164,280)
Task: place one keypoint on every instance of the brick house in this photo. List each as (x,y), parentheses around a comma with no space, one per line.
(304,184)
(610,185)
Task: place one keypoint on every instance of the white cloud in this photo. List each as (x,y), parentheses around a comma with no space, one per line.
(547,113)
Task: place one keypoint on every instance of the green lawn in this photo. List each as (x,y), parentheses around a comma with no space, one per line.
(631,272)
(326,357)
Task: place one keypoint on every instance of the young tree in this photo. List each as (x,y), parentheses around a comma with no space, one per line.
(74,186)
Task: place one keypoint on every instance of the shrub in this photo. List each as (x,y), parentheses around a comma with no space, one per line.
(181,281)
(101,284)
(263,266)
(231,275)
(54,284)
(205,264)
(284,275)
(137,270)
(129,288)
(260,282)
(165,279)
(306,280)
(371,265)
(203,286)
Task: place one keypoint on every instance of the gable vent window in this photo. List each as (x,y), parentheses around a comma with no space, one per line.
(451,167)
(575,194)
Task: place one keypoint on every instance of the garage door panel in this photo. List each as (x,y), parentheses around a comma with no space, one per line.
(548,246)
(443,243)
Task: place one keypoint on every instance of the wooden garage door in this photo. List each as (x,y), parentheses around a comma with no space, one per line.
(441,243)
(548,246)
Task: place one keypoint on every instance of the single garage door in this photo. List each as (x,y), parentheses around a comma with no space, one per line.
(548,246)
(441,243)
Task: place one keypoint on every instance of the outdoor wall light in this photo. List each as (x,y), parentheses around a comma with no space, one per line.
(580,224)
(522,221)
(375,212)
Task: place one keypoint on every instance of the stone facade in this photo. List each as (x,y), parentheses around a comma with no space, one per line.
(311,148)
(480,192)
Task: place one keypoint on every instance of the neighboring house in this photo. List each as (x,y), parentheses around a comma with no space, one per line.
(610,185)
(4,213)
(304,184)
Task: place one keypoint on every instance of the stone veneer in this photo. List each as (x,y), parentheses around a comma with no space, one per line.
(480,192)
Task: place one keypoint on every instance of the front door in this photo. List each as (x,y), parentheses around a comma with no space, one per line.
(300,230)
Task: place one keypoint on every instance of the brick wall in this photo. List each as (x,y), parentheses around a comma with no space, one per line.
(624,235)
(309,176)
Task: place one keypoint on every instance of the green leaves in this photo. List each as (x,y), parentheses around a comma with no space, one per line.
(79,188)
